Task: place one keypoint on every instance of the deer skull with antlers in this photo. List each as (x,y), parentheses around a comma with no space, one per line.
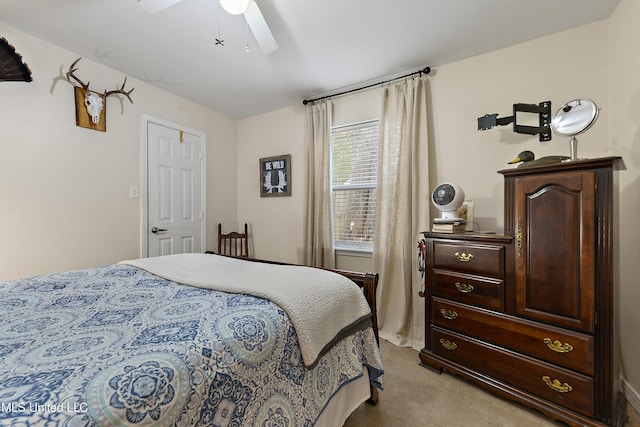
(94,102)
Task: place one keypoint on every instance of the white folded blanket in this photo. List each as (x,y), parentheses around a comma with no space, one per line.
(323,306)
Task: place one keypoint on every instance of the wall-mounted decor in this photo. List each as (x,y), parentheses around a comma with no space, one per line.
(12,69)
(91,108)
(275,176)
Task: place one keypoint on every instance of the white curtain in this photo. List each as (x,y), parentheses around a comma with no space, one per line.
(402,211)
(318,233)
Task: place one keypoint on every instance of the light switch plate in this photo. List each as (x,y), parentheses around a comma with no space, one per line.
(134,192)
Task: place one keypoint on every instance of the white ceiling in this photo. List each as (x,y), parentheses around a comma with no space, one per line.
(324,45)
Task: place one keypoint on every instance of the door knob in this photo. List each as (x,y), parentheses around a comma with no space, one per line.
(156,229)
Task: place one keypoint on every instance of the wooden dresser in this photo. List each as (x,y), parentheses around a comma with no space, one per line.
(531,315)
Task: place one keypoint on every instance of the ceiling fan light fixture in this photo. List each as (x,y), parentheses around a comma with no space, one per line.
(235,7)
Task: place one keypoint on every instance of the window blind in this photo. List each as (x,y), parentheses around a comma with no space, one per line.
(354,174)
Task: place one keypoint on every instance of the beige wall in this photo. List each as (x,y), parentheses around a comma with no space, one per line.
(277,222)
(64,190)
(461,92)
(557,68)
(625,141)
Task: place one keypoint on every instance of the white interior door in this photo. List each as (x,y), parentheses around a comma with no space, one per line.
(175,216)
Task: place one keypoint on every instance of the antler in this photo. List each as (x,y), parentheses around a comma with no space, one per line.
(71,75)
(74,77)
(121,91)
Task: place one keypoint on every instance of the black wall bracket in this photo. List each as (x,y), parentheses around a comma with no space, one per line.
(543,110)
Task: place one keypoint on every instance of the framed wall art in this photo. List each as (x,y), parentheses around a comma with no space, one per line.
(275,176)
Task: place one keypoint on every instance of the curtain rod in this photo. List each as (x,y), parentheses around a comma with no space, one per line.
(425,71)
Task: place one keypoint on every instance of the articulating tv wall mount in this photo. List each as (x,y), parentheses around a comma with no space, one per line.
(543,109)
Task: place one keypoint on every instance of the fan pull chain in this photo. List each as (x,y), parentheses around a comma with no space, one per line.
(246,35)
(219,40)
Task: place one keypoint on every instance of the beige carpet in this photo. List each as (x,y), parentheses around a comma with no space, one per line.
(416,396)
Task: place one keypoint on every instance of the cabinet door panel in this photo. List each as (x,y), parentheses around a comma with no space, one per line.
(555,249)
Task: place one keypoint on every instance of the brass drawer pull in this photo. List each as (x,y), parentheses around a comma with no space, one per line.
(520,237)
(448,344)
(556,386)
(464,288)
(462,257)
(557,346)
(448,314)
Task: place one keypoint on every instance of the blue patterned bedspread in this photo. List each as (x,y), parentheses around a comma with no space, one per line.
(119,346)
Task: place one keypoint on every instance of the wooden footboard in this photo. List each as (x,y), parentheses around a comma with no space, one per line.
(367,281)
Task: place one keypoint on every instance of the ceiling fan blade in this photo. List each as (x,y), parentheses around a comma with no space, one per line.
(153,6)
(259,28)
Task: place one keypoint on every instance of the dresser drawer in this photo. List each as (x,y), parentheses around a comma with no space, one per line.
(469,258)
(475,290)
(561,386)
(569,349)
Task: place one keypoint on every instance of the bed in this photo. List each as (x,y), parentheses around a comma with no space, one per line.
(191,339)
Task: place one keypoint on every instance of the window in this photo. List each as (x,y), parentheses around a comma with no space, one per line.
(354,174)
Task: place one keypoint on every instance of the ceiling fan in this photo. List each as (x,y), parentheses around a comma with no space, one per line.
(249,8)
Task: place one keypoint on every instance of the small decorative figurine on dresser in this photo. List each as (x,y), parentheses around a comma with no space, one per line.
(527,158)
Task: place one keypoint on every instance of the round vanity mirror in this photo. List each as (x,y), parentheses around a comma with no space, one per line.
(572,119)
